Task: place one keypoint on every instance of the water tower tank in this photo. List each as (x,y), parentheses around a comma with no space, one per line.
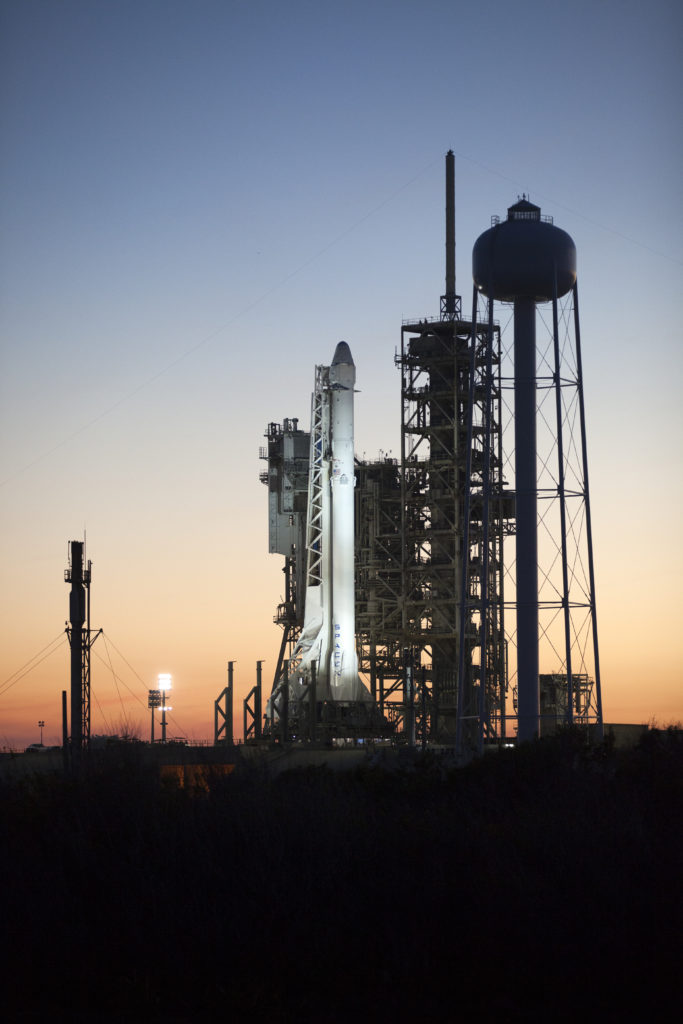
(518,258)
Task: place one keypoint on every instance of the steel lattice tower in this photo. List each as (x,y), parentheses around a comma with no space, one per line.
(286,477)
(450,445)
(81,639)
(378,575)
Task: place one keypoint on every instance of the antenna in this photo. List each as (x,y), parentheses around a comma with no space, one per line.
(450,302)
(450,224)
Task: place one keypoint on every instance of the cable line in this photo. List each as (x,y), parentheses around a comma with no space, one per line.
(136,674)
(219,330)
(118,692)
(568,209)
(123,683)
(7,685)
(138,677)
(61,634)
(104,718)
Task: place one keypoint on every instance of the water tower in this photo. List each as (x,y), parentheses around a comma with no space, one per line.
(526,263)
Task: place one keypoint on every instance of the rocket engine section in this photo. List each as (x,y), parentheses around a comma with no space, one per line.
(328,638)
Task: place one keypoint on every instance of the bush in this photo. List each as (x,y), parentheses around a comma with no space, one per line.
(507,887)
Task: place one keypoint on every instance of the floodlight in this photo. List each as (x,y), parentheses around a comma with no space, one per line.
(164,684)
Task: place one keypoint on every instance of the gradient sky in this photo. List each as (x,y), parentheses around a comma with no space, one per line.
(199,199)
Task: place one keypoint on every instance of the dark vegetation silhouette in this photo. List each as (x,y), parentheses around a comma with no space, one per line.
(538,883)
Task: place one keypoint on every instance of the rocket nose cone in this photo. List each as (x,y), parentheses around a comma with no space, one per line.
(342,354)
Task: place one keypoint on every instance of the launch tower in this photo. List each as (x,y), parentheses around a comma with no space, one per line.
(286,477)
(451,445)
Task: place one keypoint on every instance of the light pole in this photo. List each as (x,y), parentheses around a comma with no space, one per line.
(164,684)
(153,701)
(41,726)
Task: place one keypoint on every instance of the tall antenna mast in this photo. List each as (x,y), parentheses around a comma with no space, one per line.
(450,302)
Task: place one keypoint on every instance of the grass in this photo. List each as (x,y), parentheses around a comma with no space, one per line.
(530,884)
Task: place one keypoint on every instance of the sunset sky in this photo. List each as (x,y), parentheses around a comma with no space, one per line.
(200,199)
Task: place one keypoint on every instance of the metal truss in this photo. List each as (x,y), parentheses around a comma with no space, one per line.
(287,455)
(378,573)
(488,515)
(315,509)
(252,708)
(81,639)
(315,525)
(446,412)
(568,636)
(87,639)
(223,712)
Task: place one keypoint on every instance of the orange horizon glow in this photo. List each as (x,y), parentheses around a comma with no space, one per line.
(119,690)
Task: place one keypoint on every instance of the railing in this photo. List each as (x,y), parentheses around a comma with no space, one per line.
(523,215)
(421,320)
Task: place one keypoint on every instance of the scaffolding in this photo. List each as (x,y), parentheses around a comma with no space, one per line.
(451,445)
(379,633)
(287,455)
(554,696)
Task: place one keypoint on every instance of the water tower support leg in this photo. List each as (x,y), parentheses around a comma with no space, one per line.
(527,530)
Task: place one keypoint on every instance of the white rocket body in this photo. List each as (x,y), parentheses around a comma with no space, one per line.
(343,669)
(328,638)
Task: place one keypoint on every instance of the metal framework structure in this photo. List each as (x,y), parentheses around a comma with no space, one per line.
(311,564)
(315,524)
(488,517)
(252,708)
(436,587)
(569,677)
(379,627)
(429,531)
(451,447)
(287,455)
(81,640)
(223,712)
(554,704)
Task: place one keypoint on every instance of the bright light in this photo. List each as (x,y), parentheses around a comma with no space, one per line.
(164,681)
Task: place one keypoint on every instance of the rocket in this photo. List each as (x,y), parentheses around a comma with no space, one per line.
(343,671)
(328,637)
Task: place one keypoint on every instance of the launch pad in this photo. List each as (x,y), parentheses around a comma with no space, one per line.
(415,589)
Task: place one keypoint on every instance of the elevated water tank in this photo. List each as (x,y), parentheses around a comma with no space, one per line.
(519,257)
